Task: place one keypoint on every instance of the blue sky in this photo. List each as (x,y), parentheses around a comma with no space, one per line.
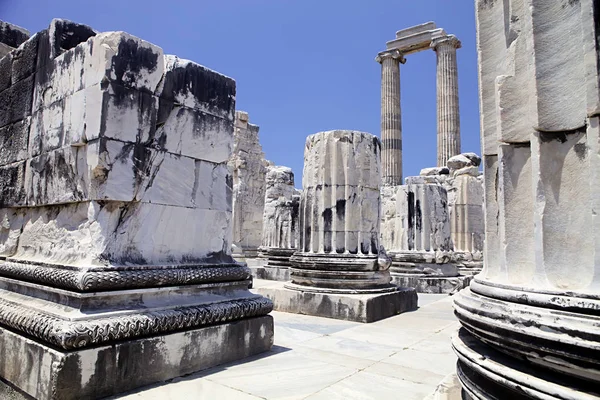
(301,66)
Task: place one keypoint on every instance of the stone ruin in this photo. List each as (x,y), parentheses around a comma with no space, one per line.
(530,326)
(432,227)
(115,216)
(408,41)
(339,270)
(248,168)
(280,224)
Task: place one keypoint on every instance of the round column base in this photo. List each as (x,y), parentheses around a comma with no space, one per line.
(339,273)
(488,374)
(529,335)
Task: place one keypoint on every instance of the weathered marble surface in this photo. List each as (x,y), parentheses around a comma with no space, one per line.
(280,218)
(248,168)
(530,327)
(11,37)
(115,215)
(280,221)
(339,257)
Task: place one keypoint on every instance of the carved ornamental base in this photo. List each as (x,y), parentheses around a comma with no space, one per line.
(431,284)
(518,342)
(96,319)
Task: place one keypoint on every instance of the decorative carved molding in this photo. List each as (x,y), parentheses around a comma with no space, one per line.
(445,42)
(394,54)
(71,335)
(102,278)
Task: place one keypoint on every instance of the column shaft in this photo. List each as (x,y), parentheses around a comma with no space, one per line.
(448,116)
(391,122)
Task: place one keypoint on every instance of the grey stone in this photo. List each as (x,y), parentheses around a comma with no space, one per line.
(475,159)
(15,102)
(434,171)
(12,185)
(14,140)
(25,59)
(351,307)
(5,72)
(12,35)
(458,162)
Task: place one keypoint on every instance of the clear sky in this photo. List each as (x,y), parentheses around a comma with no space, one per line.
(301,66)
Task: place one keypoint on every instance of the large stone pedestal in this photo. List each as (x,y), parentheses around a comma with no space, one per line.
(115,218)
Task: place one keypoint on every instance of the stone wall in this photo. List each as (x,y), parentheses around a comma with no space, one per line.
(98,126)
(248,167)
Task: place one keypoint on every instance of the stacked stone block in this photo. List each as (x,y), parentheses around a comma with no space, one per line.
(115,215)
(530,318)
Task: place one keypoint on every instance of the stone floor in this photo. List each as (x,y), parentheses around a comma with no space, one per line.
(405,356)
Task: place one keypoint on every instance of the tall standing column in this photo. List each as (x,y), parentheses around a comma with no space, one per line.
(391,121)
(448,116)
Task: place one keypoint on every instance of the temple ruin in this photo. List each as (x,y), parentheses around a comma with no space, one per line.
(408,41)
(137,209)
(432,226)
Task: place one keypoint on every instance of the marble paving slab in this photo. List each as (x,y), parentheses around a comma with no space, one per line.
(321,358)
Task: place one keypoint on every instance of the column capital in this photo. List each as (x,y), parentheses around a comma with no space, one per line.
(448,40)
(395,54)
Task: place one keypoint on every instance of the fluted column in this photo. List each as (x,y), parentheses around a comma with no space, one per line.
(448,116)
(391,117)
(339,224)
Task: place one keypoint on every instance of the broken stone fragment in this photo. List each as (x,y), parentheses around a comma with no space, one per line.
(469,170)
(434,171)
(475,159)
(458,162)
